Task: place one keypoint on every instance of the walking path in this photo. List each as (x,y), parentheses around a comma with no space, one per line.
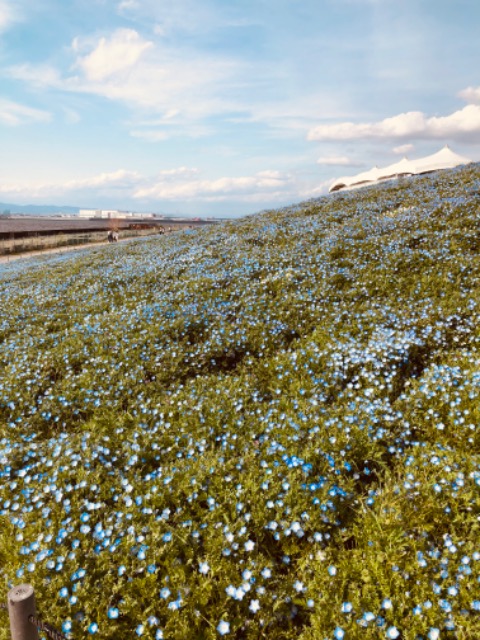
(41,252)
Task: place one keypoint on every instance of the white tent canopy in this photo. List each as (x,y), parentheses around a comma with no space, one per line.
(403,168)
(443,159)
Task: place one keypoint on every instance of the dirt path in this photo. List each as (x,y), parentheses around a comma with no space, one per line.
(41,252)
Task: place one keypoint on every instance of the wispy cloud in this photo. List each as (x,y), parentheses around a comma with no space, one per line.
(403,148)
(181,184)
(8,14)
(462,124)
(336,161)
(14,114)
(145,75)
(182,87)
(121,179)
(264,183)
(128,5)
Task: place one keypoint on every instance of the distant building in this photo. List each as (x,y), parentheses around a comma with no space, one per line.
(111,214)
(443,159)
(104,213)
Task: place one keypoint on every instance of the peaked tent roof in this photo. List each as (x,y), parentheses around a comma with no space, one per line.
(443,159)
(402,168)
(365,177)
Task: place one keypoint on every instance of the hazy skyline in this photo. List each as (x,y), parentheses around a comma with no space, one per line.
(213,107)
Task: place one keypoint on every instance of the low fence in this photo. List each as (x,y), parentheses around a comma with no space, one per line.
(24,623)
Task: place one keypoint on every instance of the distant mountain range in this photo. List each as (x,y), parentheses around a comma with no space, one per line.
(35,209)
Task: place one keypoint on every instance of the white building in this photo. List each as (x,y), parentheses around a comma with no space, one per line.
(104,213)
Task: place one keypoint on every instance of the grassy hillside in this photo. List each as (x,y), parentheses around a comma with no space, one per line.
(265,429)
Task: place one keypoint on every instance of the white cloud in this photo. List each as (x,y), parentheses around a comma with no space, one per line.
(13,114)
(121,179)
(146,76)
(403,148)
(335,161)
(128,5)
(159,78)
(471,95)
(118,182)
(180,184)
(414,124)
(38,76)
(270,183)
(116,55)
(8,15)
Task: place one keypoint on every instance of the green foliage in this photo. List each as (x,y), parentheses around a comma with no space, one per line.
(271,423)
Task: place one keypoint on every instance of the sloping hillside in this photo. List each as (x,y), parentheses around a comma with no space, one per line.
(265,429)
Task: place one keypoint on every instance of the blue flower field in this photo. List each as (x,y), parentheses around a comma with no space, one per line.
(268,428)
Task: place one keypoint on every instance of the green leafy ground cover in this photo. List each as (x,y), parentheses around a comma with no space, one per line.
(265,429)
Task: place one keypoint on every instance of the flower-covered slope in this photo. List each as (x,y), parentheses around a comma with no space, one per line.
(265,429)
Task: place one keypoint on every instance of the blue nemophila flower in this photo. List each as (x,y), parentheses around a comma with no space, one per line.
(339,633)
(113,613)
(223,627)
(433,634)
(332,570)
(204,568)
(67,626)
(239,593)
(165,593)
(392,633)
(93,628)
(298,586)
(347,607)
(63,593)
(254,606)
(176,604)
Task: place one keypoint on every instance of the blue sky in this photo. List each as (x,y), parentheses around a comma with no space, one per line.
(227,107)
